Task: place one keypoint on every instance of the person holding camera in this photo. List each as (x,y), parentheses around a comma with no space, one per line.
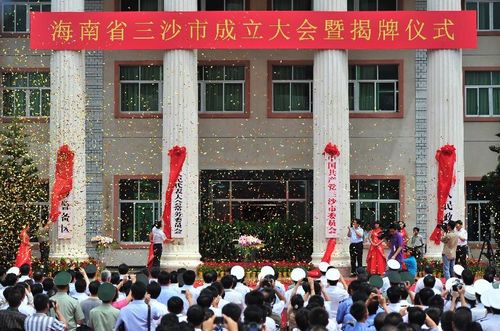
(355,234)
(40,321)
(450,240)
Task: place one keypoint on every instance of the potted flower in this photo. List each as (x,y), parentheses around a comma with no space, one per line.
(248,246)
(102,243)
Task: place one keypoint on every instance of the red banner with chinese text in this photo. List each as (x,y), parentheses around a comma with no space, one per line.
(253,30)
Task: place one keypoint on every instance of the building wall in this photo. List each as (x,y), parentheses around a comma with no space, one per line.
(379,146)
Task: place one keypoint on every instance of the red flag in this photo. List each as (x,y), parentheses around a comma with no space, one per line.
(446,158)
(24,251)
(177,157)
(63,183)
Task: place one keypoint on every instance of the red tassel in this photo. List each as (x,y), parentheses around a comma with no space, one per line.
(436,235)
(150,256)
(330,247)
(63,183)
(24,251)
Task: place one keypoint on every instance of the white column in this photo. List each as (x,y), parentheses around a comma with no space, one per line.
(445,121)
(180,127)
(67,126)
(331,124)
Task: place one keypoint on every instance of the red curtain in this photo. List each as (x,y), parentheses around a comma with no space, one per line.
(24,252)
(330,247)
(63,183)
(177,157)
(150,255)
(446,157)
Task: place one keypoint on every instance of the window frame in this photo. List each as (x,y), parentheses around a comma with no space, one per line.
(270,5)
(270,87)
(119,2)
(399,5)
(9,34)
(117,209)
(478,202)
(400,91)
(23,119)
(489,32)
(246,90)
(117,92)
(246,5)
(402,186)
(478,118)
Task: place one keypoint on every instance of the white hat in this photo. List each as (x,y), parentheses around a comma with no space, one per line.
(470,293)
(13,270)
(481,286)
(485,298)
(332,274)
(458,269)
(298,274)
(267,270)
(323,266)
(494,298)
(393,264)
(238,272)
(449,283)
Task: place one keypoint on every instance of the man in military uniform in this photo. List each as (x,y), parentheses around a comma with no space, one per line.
(69,307)
(104,316)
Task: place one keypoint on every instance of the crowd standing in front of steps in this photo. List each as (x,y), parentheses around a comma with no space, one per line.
(159,300)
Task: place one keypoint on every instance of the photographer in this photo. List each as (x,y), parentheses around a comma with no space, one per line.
(40,321)
(450,240)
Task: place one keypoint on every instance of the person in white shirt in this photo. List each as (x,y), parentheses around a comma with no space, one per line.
(336,293)
(238,272)
(153,291)
(230,294)
(438,285)
(157,237)
(298,275)
(25,272)
(355,234)
(462,248)
(323,268)
(80,287)
(188,289)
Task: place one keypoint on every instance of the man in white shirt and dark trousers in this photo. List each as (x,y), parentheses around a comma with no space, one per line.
(158,237)
(462,248)
(355,234)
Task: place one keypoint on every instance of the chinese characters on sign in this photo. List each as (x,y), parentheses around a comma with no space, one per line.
(331,187)
(449,212)
(177,220)
(65,219)
(253,30)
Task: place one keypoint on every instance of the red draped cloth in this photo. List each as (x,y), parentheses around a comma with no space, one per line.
(150,255)
(24,251)
(375,260)
(63,183)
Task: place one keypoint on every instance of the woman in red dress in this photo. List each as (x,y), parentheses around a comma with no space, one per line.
(404,234)
(375,261)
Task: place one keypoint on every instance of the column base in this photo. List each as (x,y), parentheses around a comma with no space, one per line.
(175,260)
(433,251)
(57,256)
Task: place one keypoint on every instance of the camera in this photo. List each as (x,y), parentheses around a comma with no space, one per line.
(457,285)
(267,281)
(219,320)
(52,304)
(183,291)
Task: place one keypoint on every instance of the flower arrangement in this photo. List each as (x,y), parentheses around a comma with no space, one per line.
(55,265)
(102,243)
(249,241)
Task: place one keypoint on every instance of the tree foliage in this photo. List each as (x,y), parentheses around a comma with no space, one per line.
(492,186)
(20,190)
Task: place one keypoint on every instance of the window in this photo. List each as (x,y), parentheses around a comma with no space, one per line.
(375,199)
(140,88)
(488,14)
(256,196)
(292,88)
(15,14)
(291,5)
(372,4)
(221,4)
(221,88)
(141,5)
(374,87)
(139,208)
(478,212)
(482,93)
(26,94)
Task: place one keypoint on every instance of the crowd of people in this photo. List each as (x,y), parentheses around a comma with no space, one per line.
(89,299)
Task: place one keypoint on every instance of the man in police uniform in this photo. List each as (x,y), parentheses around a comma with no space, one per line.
(491,321)
(69,307)
(336,293)
(104,316)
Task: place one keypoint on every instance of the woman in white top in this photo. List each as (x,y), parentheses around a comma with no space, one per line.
(158,237)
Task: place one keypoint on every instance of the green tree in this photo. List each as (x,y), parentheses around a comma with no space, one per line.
(20,189)
(492,186)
